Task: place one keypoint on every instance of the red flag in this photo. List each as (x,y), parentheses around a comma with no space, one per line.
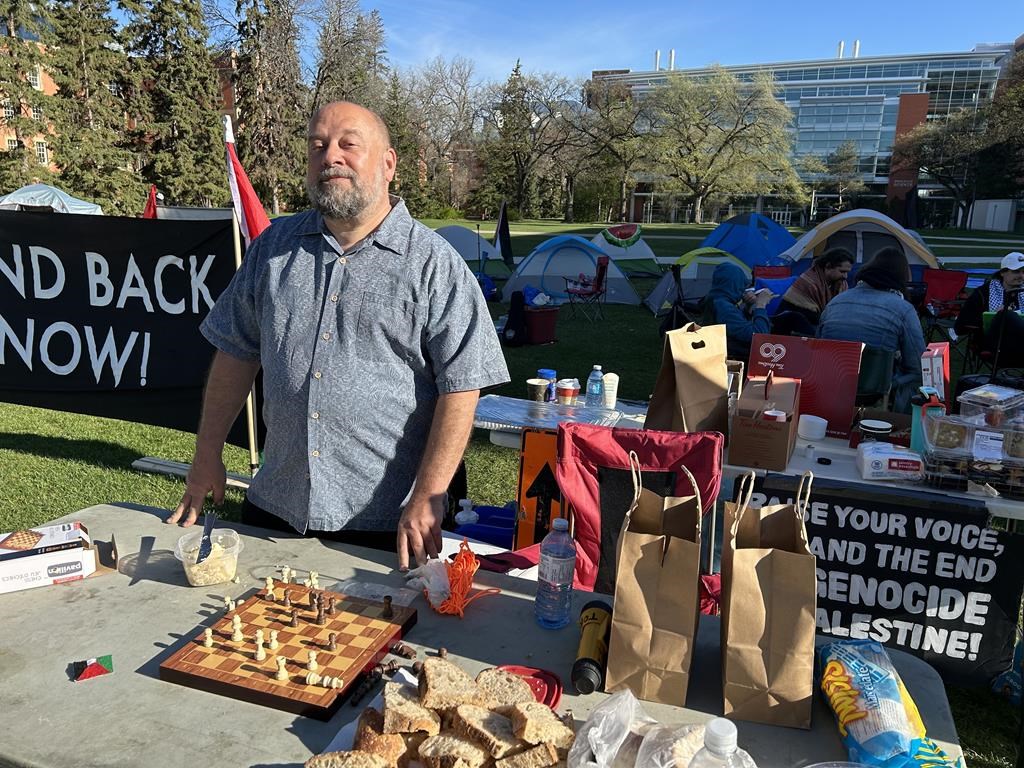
(252,219)
(150,212)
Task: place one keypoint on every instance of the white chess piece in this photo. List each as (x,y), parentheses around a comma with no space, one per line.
(312,678)
(273,640)
(260,654)
(314,579)
(282,673)
(236,628)
(270,588)
(312,666)
(286,574)
(208,638)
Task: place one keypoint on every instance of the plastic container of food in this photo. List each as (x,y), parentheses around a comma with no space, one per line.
(949,435)
(991,404)
(222,562)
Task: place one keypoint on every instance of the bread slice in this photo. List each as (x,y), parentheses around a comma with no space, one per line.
(488,728)
(404,714)
(370,738)
(447,751)
(541,756)
(501,689)
(412,748)
(535,723)
(444,685)
(346,760)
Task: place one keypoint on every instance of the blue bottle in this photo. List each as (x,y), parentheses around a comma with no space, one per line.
(553,605)
(595,388)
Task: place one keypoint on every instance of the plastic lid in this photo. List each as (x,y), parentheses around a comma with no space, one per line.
(560,524)
(546,373)
(993,395)
(585,676)
(597,367)
(720,735)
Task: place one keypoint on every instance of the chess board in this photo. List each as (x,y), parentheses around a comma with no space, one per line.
(229,668)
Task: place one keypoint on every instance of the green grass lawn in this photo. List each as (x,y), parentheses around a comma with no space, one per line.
(52,464)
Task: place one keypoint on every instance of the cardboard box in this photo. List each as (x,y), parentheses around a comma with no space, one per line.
(827,369)
(884,461)
(51,554)
(935,368)
(900,425)
(760,443)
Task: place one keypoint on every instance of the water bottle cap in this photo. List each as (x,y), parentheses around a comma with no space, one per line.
(597,367)
(560,524)
(546,373)
(720,735)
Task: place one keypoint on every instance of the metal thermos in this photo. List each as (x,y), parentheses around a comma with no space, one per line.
(592,656)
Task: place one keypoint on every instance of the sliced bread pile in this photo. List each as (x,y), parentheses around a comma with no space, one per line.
(454,721)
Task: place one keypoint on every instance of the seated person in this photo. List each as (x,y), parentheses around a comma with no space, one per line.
(816,287)
(875,312)
(1003,290)
(741,311)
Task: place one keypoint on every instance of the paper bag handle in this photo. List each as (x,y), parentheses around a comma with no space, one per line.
(746,492)
(769,381)
(696,489)
(634,473)
(803,493)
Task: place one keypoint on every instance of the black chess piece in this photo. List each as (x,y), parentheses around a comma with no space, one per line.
(388,612)
(330,607)
(287,599)
(332,642)
(295,618)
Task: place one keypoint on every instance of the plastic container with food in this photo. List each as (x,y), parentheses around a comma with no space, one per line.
(948,434)
(992,404)
(219,566)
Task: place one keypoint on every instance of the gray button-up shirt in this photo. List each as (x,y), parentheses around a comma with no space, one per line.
(355,349)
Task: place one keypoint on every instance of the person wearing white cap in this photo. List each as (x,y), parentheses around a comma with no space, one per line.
(1003,291)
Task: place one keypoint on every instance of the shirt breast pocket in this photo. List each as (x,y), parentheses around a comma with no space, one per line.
(388,329)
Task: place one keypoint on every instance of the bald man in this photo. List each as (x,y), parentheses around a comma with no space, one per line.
(374,340)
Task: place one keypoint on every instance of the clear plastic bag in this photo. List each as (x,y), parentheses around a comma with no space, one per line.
(659,749)
(432,576)
(612,735)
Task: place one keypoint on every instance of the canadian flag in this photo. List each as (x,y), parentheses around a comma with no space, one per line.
(252,219)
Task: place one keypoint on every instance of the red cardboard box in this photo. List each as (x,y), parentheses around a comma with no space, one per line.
(827,370)
(935,368)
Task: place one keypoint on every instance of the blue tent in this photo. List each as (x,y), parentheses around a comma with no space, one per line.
(751,237)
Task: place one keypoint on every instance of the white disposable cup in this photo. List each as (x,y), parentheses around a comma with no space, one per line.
(610,389)
(811,427)
(774,415)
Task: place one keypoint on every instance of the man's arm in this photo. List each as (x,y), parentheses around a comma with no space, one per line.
(419,528)
(227,386)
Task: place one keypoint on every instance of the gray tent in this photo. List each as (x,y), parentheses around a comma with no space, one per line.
(41,197)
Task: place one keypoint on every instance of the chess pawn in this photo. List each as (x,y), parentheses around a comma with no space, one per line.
(282,673)
(231,605)
(331,682)
(273,640)
(312,678)
(314,579)
(236,628)
(208,638)
(332,642)
(260,654)
(307,583)
(311,665)
(330,607)
(270,589)
(286,575)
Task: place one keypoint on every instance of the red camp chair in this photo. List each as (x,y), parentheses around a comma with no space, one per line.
(772,272)
(945,292)
(587,293)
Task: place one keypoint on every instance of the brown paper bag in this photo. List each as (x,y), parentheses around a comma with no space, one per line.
(691,393)
(769,590)
(654,618)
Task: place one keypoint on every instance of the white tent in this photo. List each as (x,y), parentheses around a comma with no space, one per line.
(41,196)
(864,233)
(567,256)
(471,246)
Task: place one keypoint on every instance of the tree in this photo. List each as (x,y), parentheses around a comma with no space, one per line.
(410,174)
(842,173)
(716,136)
(92,147)
(176,101)
(271,100)
(351,60)
(947,151)
(24,54)
(1001,164)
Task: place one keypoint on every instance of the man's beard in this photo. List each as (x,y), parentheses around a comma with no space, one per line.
(335,201)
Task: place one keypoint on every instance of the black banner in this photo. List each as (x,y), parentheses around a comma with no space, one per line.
(921,572)
(101,314)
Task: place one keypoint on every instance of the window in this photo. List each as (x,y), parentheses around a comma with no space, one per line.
(35,79)
(114,88)
(12,145)
(42,154)
(8,109)
(37,113)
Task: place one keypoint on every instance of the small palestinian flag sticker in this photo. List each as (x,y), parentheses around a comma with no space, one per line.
(103,665)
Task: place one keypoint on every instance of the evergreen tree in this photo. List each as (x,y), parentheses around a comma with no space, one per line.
(272,101)
(91,145)
(512,147)
(177,101)
(351,60)
(24,55)
(410,175)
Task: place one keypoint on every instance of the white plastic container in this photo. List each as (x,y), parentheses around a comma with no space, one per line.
(811,427)
(222,563)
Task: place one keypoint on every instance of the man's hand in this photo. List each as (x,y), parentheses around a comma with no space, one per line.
(419,529)
(207,474)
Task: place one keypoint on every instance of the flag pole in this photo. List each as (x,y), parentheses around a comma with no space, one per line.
(250,401)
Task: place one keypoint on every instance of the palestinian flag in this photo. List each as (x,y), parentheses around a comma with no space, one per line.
(102,665)
(623,236)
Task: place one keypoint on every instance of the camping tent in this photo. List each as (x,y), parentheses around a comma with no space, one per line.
(695,270)
(472,248)
(43,197)
(567,256)
(637,254)
(752,238)
(864,233)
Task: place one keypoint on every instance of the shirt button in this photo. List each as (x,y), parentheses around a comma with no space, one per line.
(317,375)
(316,414)
(316,453)
(334,297)
(342,260)
(327,335)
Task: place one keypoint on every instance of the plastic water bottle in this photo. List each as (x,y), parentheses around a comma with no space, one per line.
(720,749)
(466,515)
(554,579)
(595,388)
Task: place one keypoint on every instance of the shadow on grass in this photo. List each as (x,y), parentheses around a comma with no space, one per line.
(97,452)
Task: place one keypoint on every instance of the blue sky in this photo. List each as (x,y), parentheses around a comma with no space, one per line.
(573,38)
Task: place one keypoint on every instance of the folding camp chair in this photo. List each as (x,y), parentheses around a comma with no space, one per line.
(943,300)
(587,293)
(875,379)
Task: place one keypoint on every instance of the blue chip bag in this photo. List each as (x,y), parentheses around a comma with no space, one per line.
(878,720)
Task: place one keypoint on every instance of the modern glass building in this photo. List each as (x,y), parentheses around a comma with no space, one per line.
(858,99)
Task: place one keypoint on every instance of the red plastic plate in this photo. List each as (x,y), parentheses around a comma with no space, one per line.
(546,686)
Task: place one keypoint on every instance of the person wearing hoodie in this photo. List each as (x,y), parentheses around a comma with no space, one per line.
(742,312)
(875,312)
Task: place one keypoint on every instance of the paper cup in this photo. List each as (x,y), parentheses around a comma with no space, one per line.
(537,389)
(566,391)
(610,390)
(774,415)
(811,427)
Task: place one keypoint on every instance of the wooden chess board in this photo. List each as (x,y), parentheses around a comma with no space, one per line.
(229,668)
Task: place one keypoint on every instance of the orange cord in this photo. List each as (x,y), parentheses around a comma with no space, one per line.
(460,582)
